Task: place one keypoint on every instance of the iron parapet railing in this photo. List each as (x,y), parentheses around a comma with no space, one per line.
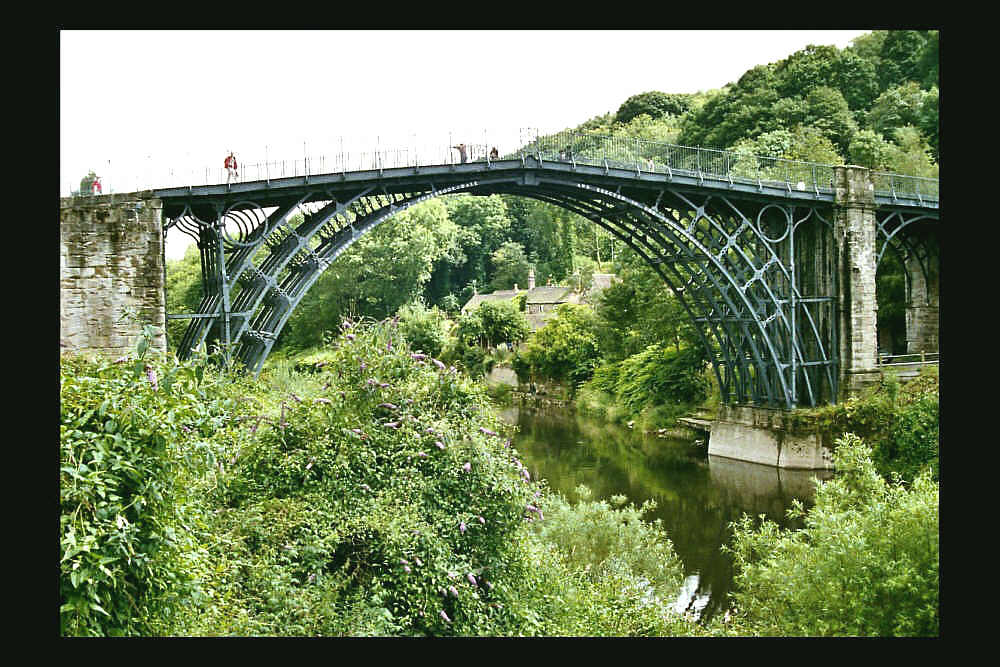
(574,147)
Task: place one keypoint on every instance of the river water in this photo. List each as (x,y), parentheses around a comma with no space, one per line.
(697,496)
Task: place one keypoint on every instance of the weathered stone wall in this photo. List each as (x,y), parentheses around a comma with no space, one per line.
(922,308)
(110,257)
(854,234)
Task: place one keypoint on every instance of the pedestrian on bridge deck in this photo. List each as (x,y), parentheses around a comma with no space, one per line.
(95,186)
(231,167)
(462,153)
(494,154)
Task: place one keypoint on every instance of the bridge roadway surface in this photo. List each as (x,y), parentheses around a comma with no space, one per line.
(527,171)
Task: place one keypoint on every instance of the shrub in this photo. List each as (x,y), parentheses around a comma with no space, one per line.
(132,434)
(865,564)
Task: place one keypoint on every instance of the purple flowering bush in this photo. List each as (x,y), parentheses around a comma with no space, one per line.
(374,510)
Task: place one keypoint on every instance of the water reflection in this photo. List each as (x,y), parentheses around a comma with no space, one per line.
(697,496)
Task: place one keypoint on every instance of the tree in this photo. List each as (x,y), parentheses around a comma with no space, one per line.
(565,348)
(184,293)
(510,266)
(492,323)
(655,104)
(829,113)
(869,149)
(898,106)
(383,270)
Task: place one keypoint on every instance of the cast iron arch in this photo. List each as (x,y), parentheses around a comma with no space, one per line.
(733,271)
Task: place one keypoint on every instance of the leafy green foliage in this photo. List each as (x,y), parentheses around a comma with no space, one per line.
(865,564)
(425,329)
(132,434)
(654,104)
(565,348)
(492,323)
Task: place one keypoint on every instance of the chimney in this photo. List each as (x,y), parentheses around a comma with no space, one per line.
(531,278)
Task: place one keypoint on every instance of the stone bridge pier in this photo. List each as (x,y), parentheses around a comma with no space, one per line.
(854,232)
(111,257)
(922,298)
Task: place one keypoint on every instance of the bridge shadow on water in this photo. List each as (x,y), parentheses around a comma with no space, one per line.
(697,496)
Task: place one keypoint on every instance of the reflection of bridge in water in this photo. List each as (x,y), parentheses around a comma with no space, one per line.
(773,260)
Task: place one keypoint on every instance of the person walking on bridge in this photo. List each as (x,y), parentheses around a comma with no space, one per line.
(494,154)
(462,153)
(231,167)
(95,186)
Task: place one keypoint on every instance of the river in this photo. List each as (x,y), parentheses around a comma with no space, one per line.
(697,496)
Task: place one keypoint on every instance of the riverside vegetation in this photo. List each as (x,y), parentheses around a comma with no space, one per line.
(377,493)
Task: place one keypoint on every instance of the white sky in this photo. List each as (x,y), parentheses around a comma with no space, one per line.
(134,102)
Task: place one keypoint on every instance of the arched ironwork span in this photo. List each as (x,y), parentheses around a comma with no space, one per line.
(754,270)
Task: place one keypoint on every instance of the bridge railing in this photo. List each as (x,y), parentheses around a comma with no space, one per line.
(574,147)
(910,187)
(909,359)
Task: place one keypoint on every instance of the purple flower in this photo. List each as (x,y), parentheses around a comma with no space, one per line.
(418,356)
(471,578)
(438,364)
(391,424)
(467,467)
(422,455)
(453,591)
(404,561)
(430,430)
(151,376)
(541,517)
(363,365)
(121,360)
(461,526)
(440,445)
(526,474)
(487,431)
(324,401)
(445,616)
(531,508)
(418,561)
(388,405)
(350,336)
(406,569)
(482,521)
(388,346)
(366,487)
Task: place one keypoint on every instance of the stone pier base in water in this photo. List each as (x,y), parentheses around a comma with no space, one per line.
(765,435)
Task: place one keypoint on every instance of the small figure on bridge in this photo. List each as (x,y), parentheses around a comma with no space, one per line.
(494,154)
(231,167)
(462,153)
(649,165)
(95,186)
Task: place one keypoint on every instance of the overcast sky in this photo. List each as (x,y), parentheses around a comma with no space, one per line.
(134,103)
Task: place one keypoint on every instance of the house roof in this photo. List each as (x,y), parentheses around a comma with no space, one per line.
(499,295)
(548,294)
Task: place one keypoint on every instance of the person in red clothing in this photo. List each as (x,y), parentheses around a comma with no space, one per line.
(95,187)
(231,167)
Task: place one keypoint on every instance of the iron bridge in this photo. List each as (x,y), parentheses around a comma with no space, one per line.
(749,258)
